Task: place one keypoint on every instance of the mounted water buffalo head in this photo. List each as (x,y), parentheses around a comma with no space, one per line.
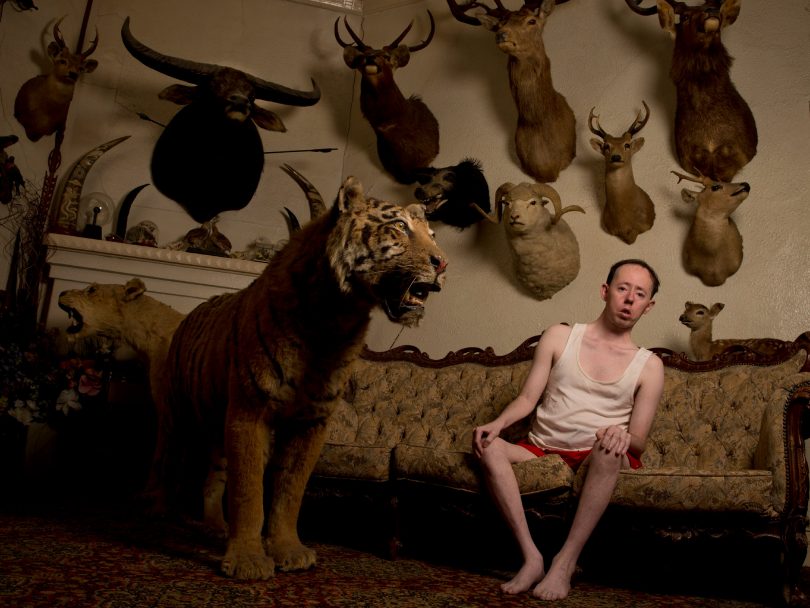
(210,156)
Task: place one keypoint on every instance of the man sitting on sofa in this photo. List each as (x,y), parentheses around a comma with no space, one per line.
(600,392)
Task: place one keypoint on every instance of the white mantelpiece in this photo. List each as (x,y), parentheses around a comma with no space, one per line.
(180,279)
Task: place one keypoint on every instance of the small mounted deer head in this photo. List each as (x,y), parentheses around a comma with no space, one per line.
(713,248)
(42,103)
(628,210)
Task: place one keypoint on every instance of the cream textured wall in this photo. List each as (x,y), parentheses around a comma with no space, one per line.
(602,55)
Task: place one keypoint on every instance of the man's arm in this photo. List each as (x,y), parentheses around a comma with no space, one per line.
(547,351)
(650,388)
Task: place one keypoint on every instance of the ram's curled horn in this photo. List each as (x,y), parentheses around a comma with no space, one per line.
(196,72)
(547,192)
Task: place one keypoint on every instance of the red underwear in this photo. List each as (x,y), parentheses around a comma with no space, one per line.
(573,458)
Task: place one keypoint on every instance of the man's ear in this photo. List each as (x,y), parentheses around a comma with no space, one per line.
(649,307)
(603,291)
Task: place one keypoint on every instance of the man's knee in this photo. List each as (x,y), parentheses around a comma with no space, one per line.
(604,462)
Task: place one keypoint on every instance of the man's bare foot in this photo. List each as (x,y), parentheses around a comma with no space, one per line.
(531,572)
(556,583)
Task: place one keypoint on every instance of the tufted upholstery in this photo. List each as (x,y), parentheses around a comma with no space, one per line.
(725,454)
(716,443)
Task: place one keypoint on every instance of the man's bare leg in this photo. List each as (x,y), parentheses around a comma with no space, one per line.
(500,478)
(600,481)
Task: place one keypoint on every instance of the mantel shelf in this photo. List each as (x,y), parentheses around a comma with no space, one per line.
(181,279)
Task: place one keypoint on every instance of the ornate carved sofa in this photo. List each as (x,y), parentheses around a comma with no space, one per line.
(725,456)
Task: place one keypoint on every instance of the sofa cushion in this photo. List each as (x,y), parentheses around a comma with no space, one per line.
(458,470)
(710,420)
(679,489)
(359,462)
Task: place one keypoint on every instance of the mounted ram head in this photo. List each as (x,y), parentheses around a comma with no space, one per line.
(545,252)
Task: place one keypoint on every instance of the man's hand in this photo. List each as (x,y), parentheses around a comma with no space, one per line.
(484,435)
(613,439)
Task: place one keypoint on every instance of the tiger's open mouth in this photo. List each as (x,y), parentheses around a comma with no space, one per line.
(405,302)
(76,319)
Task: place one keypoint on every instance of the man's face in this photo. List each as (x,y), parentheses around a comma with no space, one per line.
(628,296)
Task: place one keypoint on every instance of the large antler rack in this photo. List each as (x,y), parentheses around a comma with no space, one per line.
(364,47)
(635,6)
(499,11)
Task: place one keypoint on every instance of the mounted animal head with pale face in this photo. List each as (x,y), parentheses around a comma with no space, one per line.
(42,103)
(210,156)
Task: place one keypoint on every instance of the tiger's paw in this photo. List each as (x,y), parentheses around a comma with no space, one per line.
(246,564)
(290,555)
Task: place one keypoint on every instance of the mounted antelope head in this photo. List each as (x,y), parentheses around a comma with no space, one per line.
(713,250)
(210,157)
(628,210)
(407,132)
(42,103)
(715,132)
(545,137)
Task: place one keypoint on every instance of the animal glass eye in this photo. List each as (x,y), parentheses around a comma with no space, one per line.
(626,146)
(400,225)
(716,187)
(700,313)
(532,21)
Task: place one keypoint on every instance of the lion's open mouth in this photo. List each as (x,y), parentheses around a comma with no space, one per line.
(76,320)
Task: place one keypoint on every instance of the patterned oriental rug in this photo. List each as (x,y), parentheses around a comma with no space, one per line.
(92,557)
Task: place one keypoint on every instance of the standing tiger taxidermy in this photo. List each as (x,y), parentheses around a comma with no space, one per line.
(269,363)
(407,131)
(210,156)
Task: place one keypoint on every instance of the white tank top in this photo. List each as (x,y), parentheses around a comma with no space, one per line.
(574,406)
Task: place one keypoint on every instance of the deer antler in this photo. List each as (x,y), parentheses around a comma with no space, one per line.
(639,123)
(459,11)
(635,5)
(425,42)
(596,130)
(354,36)
(681,176)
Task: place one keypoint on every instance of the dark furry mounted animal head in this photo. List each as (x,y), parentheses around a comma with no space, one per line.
(451,194)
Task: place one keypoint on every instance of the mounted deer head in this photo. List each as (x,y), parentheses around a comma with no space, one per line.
(628,210)
(42,103)
(545,137)
(713,250)
(715,131)
(210,157)
(407,132)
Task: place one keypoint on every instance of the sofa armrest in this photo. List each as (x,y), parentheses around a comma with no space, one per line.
(785,426)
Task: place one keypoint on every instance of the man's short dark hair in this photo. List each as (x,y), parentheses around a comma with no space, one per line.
(656,283)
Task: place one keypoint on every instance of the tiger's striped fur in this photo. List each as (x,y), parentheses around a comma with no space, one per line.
(271,360)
